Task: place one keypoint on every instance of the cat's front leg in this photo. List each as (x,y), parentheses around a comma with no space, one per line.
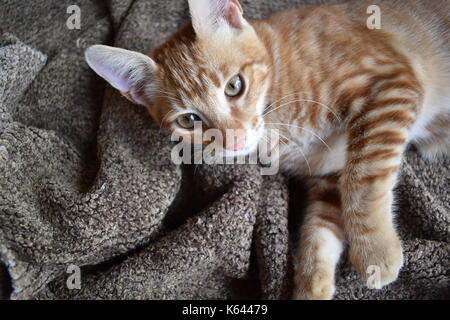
(377,137)
(321,241)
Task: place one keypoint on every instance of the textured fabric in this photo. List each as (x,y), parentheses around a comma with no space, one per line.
(86,179)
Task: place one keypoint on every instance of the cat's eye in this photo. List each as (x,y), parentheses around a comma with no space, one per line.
(234,87)
(187,121)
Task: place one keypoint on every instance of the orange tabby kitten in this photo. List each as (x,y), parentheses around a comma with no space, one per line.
(346,99)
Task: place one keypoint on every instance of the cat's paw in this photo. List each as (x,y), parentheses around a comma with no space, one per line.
(317,286)
(378,262)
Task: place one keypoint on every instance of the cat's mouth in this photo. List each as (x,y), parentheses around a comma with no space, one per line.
(252,140)
(239,153)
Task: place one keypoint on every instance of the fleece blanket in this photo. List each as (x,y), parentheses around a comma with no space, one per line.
(86,181)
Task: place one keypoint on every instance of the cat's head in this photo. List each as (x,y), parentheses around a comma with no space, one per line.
(215,70)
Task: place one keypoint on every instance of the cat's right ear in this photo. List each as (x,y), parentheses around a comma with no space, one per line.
(208,16)
(128,71)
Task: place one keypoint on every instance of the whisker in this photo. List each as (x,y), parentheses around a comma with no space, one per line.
(305,129)
(281,106)
(301,100)
(325,106)
(301,151)
(279,100)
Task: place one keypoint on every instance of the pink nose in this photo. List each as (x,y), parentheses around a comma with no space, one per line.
(236,144)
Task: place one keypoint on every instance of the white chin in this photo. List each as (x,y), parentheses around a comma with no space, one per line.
(239,153)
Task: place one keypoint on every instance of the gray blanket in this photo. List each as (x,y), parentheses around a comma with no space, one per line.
(86,179)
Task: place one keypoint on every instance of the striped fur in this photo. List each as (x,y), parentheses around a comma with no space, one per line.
(347,101)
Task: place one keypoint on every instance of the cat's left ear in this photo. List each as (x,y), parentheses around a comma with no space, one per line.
(209,16)
(130,72)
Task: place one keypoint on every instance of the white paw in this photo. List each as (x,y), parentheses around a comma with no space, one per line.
(378,263)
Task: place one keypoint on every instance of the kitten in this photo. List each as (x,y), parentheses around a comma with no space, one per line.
(346,99)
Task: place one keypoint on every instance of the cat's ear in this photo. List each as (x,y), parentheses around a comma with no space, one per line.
(128,71)
(209,16)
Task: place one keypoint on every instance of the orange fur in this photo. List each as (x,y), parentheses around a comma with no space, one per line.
(347,100)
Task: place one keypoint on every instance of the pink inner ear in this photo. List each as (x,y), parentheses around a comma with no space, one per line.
(118,82)
(234,14)
(107,72)
(238,5)
(206,14)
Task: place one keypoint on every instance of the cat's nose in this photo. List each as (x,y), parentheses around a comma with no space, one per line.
(236,144)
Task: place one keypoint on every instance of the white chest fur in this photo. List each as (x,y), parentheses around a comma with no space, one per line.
(311,156)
